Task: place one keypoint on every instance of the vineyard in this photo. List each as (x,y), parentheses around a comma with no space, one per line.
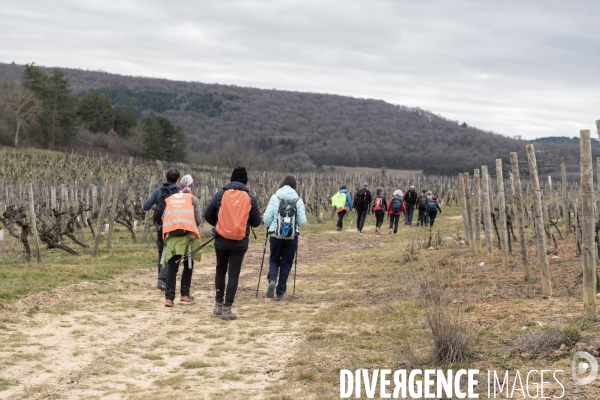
(497,283)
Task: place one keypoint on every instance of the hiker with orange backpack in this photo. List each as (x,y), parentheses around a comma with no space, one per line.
(180,223)
(341,203)
(379,209)
(231,212)
(396,207)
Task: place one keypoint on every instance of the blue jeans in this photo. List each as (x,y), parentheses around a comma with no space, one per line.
(281,260)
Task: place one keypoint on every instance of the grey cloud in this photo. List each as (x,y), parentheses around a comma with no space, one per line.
(526,68)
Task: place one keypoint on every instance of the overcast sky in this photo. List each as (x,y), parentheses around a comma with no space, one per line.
(529,68)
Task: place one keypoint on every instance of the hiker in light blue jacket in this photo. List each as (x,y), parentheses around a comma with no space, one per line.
(284,239)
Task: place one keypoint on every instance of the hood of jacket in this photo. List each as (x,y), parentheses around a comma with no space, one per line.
(286,193)
(236,186)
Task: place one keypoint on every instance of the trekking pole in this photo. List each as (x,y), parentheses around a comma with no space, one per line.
(295,267)
(184,259)
(262,262)
(254,233)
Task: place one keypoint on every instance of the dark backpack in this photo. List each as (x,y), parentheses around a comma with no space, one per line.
(360,199)
(423,201)
(286,220)
(396,204)
(432,205)
(161,203)
(410,197)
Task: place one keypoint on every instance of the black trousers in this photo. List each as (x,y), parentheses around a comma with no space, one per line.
(186,278)
(160,245)
(341,218)
(408,216)
(422,213)
(379,218)
(361,217)
(228,262)
(394,222)
(432,215)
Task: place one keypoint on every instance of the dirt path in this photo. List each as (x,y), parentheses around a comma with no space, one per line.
(117,340)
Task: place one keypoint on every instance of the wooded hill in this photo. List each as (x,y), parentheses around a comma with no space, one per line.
(299,131)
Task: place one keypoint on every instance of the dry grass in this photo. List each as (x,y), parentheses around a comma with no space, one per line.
(536,343)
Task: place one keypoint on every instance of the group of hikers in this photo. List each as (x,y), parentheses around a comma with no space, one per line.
(364,203)
(232,212)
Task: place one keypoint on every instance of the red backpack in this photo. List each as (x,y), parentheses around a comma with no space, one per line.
(378,204)
(233,214)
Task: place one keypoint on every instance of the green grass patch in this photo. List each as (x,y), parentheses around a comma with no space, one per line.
(62,269)
(194,364)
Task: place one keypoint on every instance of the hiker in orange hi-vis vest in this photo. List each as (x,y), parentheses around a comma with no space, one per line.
(232,211)
(180,223)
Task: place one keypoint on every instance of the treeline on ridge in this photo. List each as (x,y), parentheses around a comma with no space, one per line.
(227,125)
(44,109)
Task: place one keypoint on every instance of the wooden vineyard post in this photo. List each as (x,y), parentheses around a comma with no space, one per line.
(487,217)
(502,212)
(113,214)
(100,222)
(566,212)
(467,179)
(34,224)
(514,164)
(465,218)
(587,225)
(477,222)
(539,223)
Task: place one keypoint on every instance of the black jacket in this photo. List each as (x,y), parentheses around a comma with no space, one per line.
(410,197)
(368,198)
(211,214)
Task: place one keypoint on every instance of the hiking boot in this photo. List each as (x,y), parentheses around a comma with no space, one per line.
(338,228)
(390,231)
(187,299)
(227,314)
(280,297)
(271,289)
(377,231)
(218,310)
(168,303)
(161,285)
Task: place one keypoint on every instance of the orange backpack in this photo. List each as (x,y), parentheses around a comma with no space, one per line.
(378,204)
(233,214)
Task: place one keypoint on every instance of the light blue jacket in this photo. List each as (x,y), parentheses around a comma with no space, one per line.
(284,193)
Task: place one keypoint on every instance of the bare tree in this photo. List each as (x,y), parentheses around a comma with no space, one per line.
(24,107)
(234,154)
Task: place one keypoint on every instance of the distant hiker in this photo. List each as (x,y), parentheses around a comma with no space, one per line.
(181,219)
(341,203)
(433,209)
(284,214)
(157,199)
(362,202)
(232,211)
(423,205)
(396,206)
(379,209)
(410,199)
(429,196)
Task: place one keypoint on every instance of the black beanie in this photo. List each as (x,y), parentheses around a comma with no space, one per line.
(239,175)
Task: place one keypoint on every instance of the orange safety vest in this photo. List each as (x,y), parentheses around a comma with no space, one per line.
(179,214)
